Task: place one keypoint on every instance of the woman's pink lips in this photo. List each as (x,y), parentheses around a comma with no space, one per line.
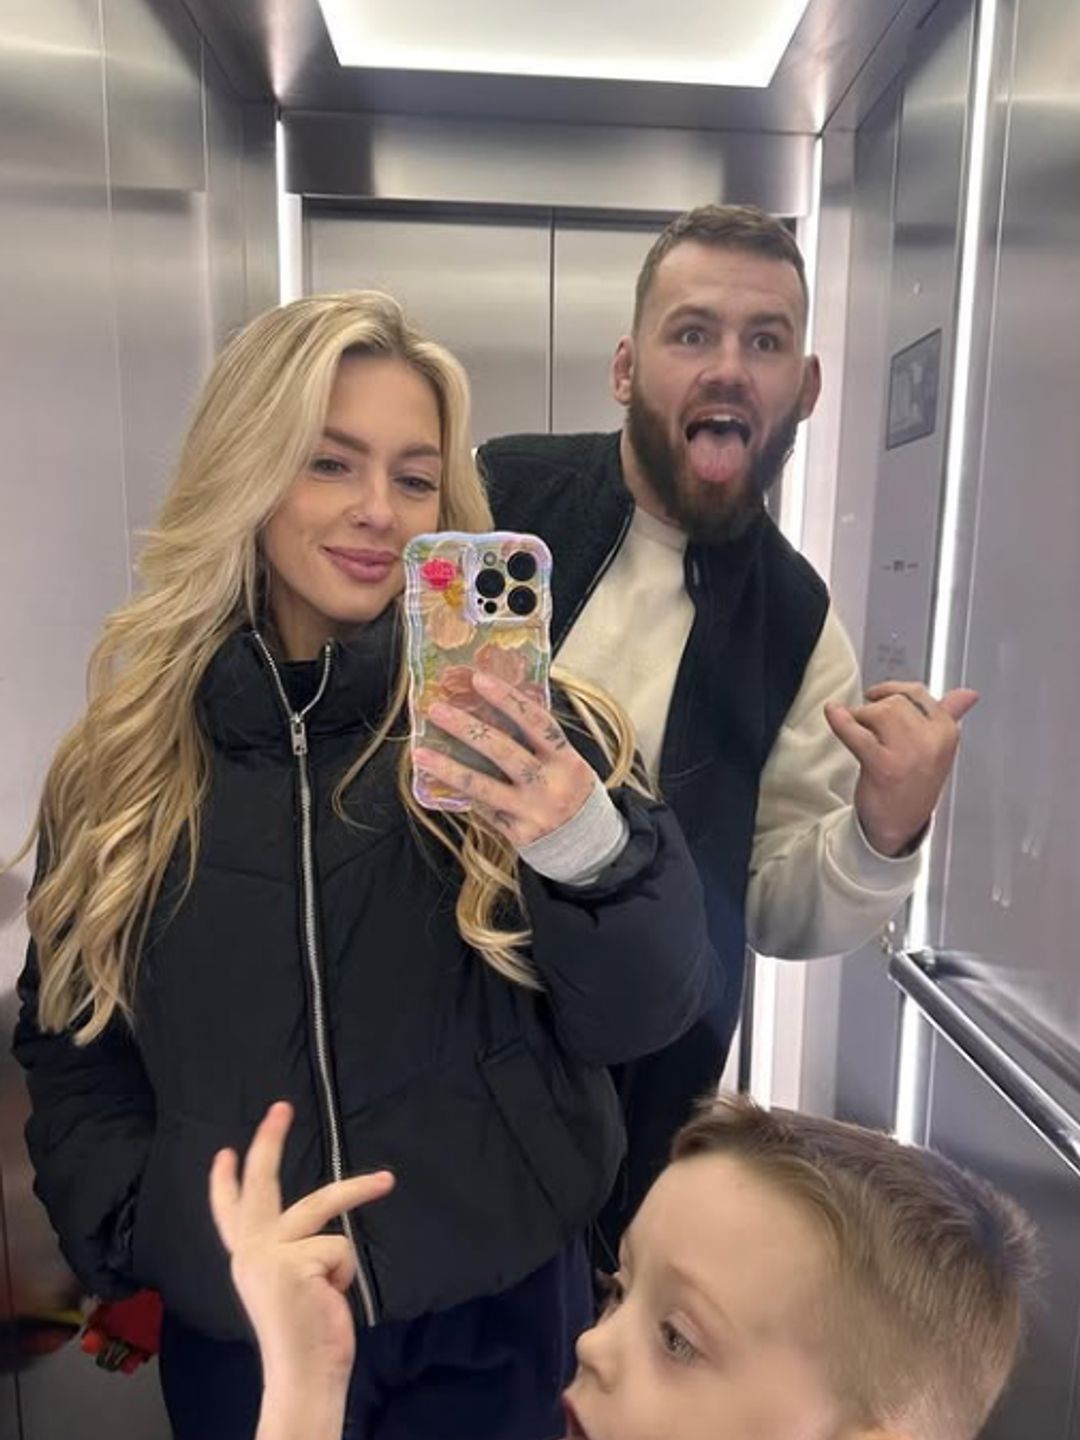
(574,1428)
(362,564)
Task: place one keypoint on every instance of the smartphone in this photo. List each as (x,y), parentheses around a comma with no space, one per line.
(473,602)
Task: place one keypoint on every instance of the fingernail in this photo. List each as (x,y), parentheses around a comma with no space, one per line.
(483,681)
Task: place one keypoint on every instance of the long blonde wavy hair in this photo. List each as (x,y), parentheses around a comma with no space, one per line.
(129,780)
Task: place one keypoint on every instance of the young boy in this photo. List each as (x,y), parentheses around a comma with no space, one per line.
(786,1277)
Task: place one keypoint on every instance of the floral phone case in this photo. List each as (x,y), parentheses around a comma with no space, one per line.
(472,602)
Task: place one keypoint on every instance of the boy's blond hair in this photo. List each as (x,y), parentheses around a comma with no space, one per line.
(932,1265)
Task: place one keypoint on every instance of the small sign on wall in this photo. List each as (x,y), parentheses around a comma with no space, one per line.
(914,377)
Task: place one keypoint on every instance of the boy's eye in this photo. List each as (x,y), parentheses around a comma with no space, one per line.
(766,343)
(676,1344)
(612,1292)
(691,336)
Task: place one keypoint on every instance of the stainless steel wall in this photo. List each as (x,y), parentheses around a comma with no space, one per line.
(902,284)
(137,229)
(1010,867)
(1003,901)
(596,167)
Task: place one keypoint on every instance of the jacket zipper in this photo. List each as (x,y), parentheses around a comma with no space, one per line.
(595,581)
(299,742)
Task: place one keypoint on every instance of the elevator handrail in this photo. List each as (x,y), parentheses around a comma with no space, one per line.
(914,972)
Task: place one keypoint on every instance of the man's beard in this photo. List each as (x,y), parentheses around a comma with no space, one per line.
(710,514)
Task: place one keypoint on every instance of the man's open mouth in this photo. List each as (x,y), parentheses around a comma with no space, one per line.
(720,424)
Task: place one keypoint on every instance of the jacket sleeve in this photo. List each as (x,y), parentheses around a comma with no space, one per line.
(817,886)
(626,960)
(89,1133)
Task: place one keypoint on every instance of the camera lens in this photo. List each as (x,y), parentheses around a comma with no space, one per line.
(490,558)
(521,601)
(521,566)
(490,608)
(490,583)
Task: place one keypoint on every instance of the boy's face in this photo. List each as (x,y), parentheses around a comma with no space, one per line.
(710,1333)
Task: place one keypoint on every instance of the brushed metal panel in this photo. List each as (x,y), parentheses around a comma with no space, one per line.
(58,1395)
(45,142)
(480,289)
(619,167)
(865,362)
(867,1020)
(153,78)
(153,68)
(63,553)
(241,200)
(260,209)
(868,1040)
(224,202)
(63,546)
(971,1124)
(926,214)
(1012,860)
(594,273)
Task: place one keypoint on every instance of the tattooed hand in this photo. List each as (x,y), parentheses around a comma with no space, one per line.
(545,781)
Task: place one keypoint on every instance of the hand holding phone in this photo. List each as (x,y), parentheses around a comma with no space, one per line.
(474,604)
(483,733)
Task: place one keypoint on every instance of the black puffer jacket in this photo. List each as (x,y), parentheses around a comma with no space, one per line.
(355,998)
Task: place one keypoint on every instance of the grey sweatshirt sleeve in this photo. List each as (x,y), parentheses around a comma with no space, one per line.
(583,846)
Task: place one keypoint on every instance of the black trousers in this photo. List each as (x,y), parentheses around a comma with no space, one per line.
(491,1369)
(658,1094)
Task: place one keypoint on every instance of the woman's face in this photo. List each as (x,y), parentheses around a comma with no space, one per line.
(333,546)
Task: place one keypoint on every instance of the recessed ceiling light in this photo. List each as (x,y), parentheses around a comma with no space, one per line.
(692,42)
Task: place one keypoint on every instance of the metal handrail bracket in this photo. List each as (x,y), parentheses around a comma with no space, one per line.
(914,971)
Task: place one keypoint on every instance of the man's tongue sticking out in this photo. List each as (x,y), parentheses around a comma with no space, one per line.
(717,456)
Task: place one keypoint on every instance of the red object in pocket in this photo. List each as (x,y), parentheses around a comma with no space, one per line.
(124,1334)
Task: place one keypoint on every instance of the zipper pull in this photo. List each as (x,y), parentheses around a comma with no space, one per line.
(298,734)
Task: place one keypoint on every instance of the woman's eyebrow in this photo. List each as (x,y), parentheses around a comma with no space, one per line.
(420,450)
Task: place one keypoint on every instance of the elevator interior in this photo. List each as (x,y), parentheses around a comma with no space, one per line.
(170,167)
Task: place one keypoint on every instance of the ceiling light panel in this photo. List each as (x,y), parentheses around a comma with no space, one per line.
(687,42)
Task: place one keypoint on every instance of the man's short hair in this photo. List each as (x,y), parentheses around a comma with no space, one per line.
(727,227)
(931,1268)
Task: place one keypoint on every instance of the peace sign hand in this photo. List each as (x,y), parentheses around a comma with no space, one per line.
(544,780)
(291,1278)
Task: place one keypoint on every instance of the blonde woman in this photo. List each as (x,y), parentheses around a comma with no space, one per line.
(237,900)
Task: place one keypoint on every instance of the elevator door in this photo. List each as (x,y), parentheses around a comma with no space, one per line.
(533,309)
(594,271)
(482,288)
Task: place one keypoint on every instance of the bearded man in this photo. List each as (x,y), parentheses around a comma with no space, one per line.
(804,801)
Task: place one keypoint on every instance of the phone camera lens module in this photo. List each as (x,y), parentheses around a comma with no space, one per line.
(490,583)
(521,601)
(522,566)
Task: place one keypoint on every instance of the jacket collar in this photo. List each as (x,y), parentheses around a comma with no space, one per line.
(240,706)
(604,508)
